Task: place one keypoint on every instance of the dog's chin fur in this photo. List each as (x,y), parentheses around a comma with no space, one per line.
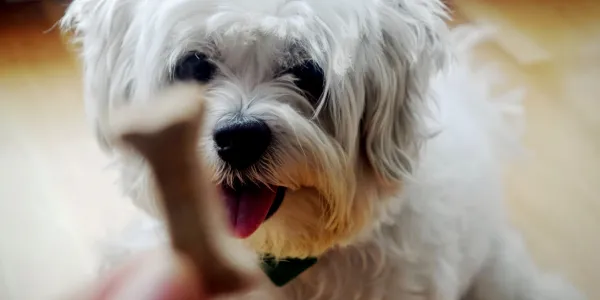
(396,164)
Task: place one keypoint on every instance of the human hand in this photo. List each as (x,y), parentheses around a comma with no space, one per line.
(157,275)
(163,275)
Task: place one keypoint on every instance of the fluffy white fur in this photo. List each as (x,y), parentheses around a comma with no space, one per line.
(394,178)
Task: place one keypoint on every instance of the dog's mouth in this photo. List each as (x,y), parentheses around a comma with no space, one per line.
(249,205)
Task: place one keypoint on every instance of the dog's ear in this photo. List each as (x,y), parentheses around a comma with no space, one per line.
(98,29)
(412,49)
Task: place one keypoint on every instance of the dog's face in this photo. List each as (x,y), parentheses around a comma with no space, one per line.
(314,105)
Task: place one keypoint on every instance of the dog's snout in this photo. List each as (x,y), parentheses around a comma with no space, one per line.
(241,143)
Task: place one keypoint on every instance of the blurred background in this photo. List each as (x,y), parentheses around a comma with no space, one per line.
(57,196)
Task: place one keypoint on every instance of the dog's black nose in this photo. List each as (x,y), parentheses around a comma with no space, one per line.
(241,143)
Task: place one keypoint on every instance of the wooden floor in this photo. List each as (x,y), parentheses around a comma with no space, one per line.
(553,48)
(56,194)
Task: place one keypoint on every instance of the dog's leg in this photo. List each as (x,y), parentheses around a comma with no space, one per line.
(510,274)
(439,286)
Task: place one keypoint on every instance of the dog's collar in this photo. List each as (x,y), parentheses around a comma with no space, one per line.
(283,271)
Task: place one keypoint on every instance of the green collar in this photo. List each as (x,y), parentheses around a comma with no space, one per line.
(283,271)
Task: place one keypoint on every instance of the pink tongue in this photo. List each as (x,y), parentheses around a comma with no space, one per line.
(248,208)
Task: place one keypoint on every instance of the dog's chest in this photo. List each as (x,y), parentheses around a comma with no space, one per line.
(370,273)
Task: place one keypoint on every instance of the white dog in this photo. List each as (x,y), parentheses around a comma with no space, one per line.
(350,131)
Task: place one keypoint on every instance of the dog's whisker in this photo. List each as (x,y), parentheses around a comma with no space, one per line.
(299,143)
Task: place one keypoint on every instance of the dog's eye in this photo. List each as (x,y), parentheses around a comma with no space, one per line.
(195,66)
(310,79)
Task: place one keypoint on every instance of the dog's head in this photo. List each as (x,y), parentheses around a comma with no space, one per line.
(314,105)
